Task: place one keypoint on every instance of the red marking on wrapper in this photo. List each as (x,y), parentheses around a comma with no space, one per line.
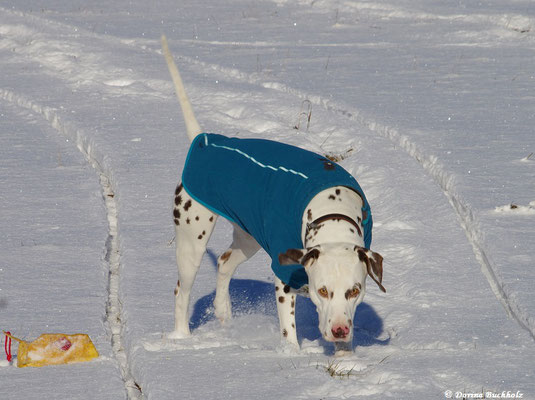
(7,347)
(64,344)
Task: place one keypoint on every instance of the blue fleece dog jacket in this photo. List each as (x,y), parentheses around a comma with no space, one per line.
(264,187)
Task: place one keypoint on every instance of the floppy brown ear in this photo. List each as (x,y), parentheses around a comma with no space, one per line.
(298,256)
(291,257)
(374,265)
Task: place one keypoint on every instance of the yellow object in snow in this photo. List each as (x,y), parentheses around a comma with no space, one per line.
(55,348)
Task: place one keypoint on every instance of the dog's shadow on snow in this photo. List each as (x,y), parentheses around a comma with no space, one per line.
(247,297)
(256,297)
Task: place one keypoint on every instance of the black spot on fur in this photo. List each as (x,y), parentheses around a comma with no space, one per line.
(337,191)
(284,333)
(281,299)
(332,197)
(178,189)
(178,200)
(197,218)
(176,213)
(177,222)
(187,221)
(187,205)
(211,219)
(286,289)
(309,214)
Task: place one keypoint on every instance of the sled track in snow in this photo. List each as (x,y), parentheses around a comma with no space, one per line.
(111,252)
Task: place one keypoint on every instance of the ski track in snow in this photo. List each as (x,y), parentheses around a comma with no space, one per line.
(112,254)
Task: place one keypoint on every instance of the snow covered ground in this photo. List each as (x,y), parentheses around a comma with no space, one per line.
(431,104)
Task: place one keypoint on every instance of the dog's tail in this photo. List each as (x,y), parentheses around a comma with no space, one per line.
(192,126)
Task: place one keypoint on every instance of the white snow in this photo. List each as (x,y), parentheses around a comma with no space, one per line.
(429,104)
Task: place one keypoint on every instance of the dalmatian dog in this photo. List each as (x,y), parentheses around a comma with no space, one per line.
(304,210)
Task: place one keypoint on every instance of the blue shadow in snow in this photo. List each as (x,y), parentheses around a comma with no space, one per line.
(247,296)
(255,297)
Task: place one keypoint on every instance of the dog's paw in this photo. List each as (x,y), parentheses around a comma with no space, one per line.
(177,335)
(223,310)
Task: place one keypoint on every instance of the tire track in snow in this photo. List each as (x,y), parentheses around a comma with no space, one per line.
(112,254)
(429,162)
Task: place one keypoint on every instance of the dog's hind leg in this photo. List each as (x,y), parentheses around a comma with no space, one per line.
(194,224)
(242,248)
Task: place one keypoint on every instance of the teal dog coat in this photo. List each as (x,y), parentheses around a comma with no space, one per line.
(264,187)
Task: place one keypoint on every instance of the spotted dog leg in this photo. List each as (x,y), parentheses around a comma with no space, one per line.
(194,224)
(286,310)
(243,247)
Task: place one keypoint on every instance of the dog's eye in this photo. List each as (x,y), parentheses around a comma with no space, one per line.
(351,293)
(323,292)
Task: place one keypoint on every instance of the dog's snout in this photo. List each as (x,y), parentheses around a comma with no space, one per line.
(340,331)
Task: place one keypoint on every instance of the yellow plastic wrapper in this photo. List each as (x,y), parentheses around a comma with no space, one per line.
(54,349)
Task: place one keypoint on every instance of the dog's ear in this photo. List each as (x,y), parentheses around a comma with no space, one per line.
(374,265)
(299,256)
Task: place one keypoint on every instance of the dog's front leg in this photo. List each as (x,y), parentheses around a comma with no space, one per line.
(286,310)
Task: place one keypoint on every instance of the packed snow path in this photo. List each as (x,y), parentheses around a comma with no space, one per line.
(440,326)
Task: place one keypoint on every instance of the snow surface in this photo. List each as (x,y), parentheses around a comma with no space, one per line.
(431,104)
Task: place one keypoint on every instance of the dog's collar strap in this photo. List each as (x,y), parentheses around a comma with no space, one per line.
(318,221)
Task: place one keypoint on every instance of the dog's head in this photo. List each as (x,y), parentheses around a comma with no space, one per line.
(337,283)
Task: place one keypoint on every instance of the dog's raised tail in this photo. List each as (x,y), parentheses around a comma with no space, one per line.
(192,126)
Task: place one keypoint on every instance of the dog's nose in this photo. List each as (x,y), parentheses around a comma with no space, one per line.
(340,331)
